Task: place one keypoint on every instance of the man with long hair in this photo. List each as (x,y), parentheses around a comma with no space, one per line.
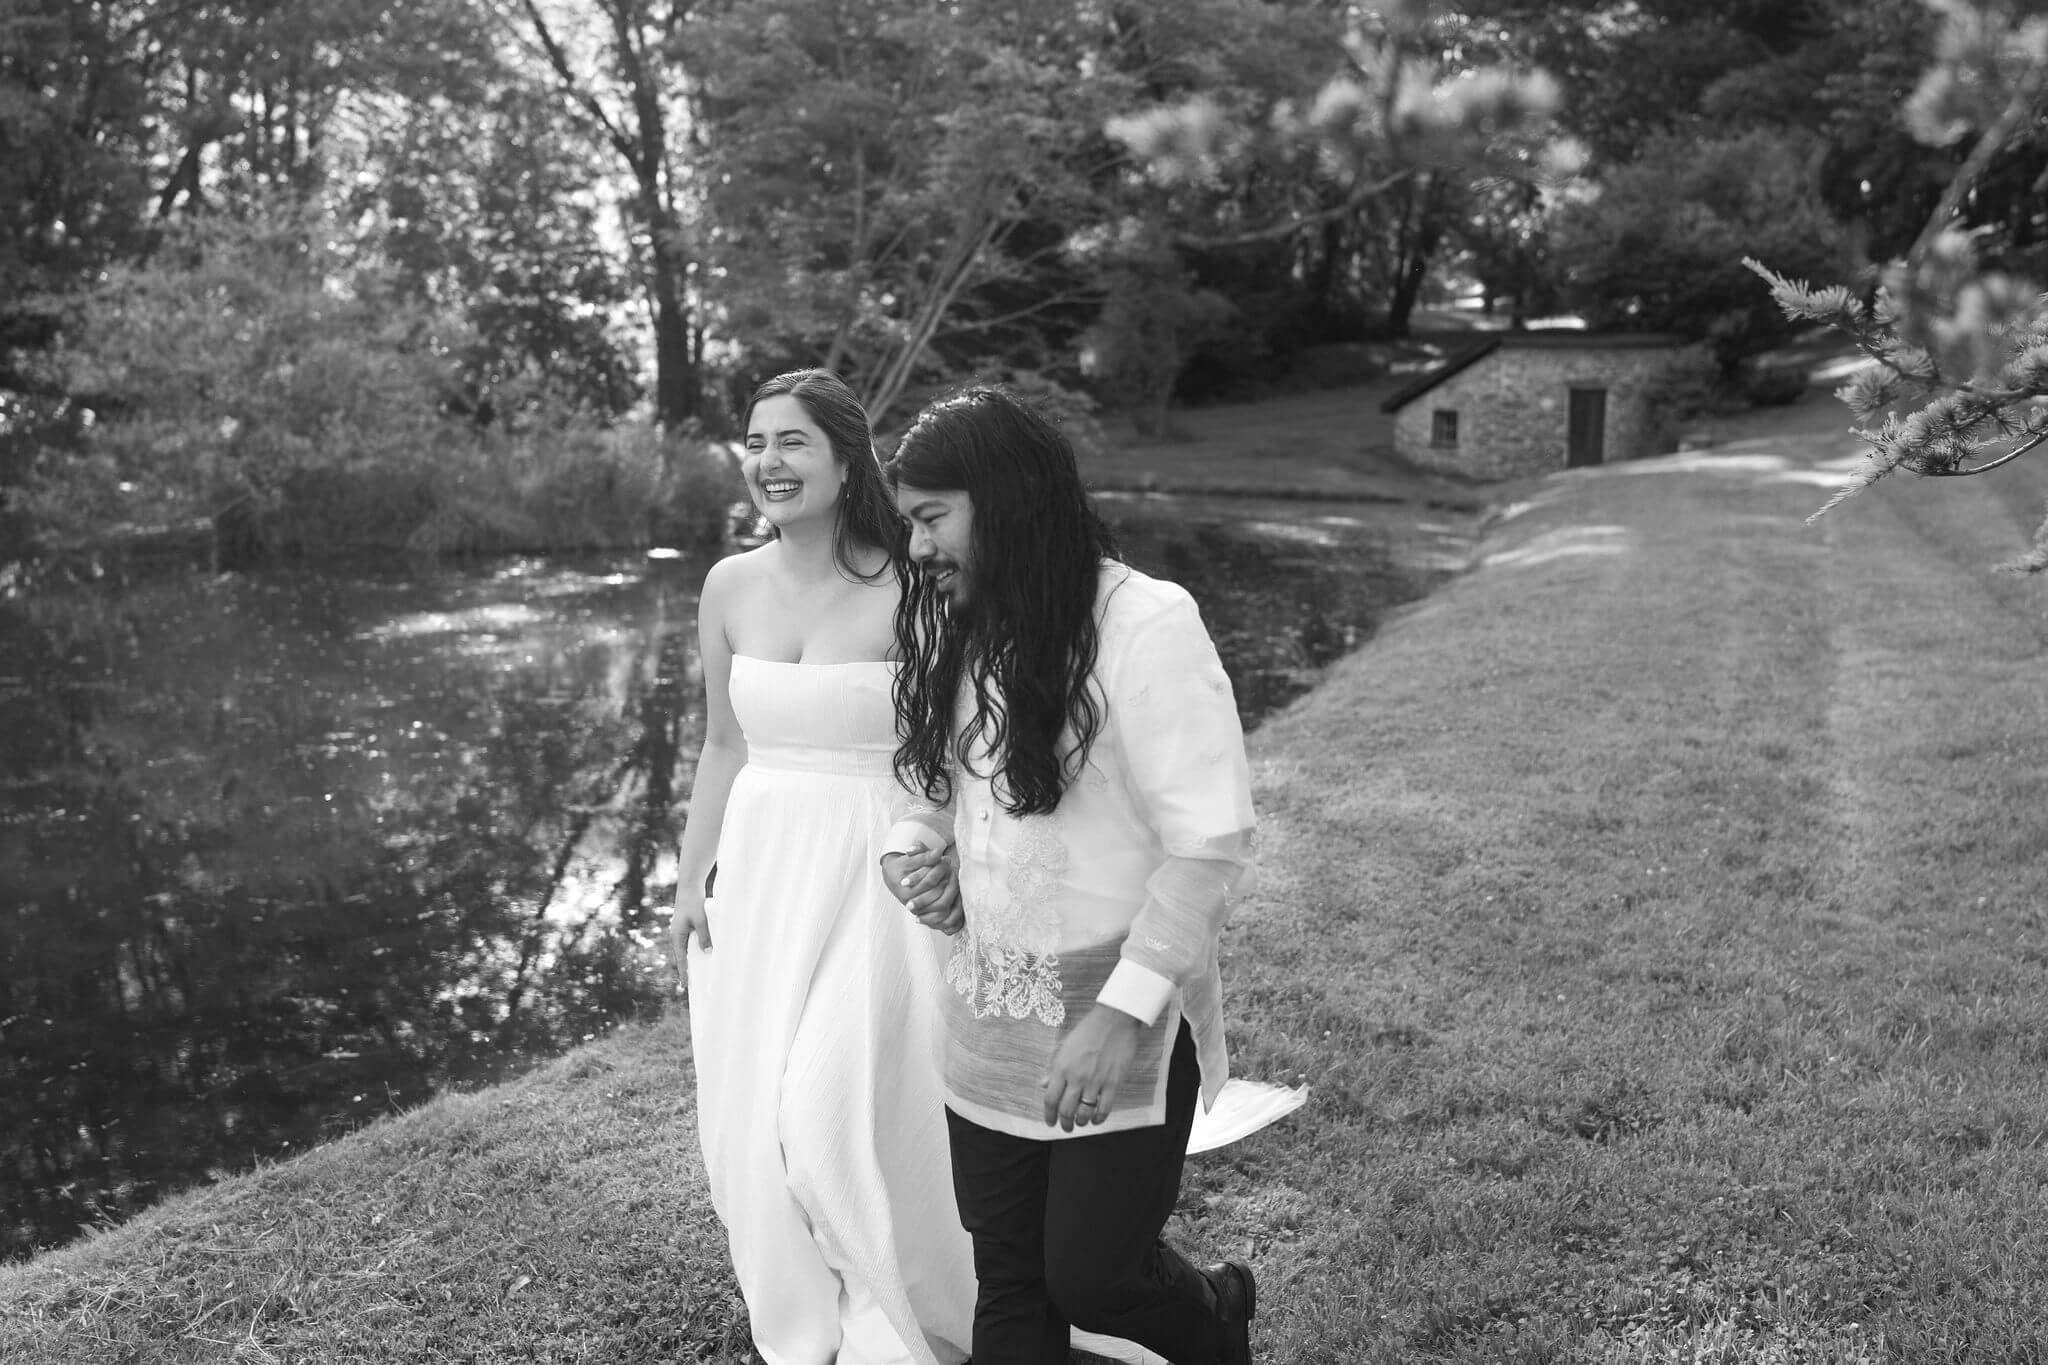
(1070,723)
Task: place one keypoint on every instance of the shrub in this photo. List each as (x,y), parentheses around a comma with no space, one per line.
(1680,396)
(250,376)
(564,487)
(1774,385)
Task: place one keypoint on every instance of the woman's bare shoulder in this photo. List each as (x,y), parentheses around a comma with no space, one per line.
(737,570)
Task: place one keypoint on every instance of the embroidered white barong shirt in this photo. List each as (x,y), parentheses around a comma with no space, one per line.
(1120,894)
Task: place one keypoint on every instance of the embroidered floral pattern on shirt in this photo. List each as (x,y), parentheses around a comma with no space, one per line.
(1007,961)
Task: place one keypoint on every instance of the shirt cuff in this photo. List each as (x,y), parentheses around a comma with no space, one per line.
(1138,991)
(909,836)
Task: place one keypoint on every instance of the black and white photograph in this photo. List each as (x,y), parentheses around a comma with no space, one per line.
(1023,682)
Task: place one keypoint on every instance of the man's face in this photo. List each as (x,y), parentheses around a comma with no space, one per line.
(941,539)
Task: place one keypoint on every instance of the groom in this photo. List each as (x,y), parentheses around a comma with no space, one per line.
(1069,717)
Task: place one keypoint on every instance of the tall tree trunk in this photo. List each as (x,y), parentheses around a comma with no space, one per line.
(1418,247)
(639,134)
(1320,280)
(678,390)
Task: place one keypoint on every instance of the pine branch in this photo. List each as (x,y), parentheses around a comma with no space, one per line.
(2006,458)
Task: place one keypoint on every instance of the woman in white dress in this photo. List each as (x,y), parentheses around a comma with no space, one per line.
(812,994)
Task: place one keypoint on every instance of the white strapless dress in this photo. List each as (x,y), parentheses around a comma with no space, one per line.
(815,1030)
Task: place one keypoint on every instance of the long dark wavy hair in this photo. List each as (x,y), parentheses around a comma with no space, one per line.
(867,512)
(1028,638)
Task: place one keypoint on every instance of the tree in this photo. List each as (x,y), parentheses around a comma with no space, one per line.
(490,209)
(1875,173)
(620,63)
(242,353)
(1151,322)
(74,129)
(1633,71)
(1384,151)
(1507,243)
(1660,246)
(896,188)
(1960,350)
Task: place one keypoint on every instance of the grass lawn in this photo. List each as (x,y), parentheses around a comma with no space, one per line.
(1659,912)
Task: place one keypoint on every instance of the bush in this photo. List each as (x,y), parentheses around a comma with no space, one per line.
(252,377)
(1774,385)
(564,487)
(1680,397)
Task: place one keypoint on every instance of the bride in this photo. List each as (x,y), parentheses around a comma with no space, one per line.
(812,994)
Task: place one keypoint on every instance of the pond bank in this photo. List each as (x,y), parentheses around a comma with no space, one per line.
(305,846)
(1656,910)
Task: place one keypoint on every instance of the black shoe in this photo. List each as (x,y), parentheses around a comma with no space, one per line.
(1237,1298)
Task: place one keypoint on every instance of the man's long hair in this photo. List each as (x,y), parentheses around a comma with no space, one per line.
(867,514)
(1027,639)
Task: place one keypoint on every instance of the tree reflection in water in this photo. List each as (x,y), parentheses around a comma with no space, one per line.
(282,852)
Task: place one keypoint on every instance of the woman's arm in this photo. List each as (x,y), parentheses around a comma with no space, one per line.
(718,762)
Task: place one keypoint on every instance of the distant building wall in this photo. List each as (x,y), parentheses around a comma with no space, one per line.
(1512,407)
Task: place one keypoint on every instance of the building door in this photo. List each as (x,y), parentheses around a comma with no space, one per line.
(1586,441)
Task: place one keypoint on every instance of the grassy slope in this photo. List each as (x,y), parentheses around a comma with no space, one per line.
(1661,908)
(1658,911)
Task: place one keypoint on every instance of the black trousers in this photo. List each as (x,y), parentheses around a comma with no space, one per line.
(1067,1232)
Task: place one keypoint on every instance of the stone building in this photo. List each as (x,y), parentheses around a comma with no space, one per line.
(1530,402)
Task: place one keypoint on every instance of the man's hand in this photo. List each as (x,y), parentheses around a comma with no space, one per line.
(688,918)
(929,887)
(1081,1083)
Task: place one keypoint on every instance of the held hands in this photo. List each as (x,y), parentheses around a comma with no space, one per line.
(1081,1083)
(928,885)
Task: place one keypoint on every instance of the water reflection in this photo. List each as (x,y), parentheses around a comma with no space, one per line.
(279,853)
(1284,588)
(278,858)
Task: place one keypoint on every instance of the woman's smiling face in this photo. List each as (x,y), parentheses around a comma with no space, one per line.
(791,470)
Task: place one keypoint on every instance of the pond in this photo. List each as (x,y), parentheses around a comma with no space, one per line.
(286,851)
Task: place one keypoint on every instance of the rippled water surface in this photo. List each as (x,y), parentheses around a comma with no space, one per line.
(281,852)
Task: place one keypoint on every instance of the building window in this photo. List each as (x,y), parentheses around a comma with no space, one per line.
(1443,427)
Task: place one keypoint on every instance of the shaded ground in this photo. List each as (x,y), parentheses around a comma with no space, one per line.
(1333,443)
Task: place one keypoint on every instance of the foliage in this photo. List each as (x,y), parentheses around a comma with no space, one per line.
(1506,242)
(1959,351)
(1875,173)
(242,353)
(115,115)
(617,63)
(895,186)
(491,210)
(1373,166)
(254,376)
(1634,72)
(564,484)
(73,111)
(577,191)
(1660,248)
(1149,326)
(1680,397)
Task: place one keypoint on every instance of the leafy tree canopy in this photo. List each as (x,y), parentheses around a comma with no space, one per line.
(1661,246)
